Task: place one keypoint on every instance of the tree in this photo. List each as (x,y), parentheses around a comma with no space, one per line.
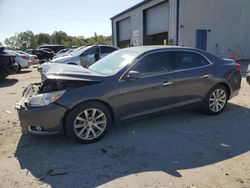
(21,41)
(1,44)
(27,39)
(59,37)
(43,38)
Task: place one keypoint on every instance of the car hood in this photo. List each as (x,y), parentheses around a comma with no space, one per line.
(68,72)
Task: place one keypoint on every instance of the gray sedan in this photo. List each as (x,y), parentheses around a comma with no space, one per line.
(126,84)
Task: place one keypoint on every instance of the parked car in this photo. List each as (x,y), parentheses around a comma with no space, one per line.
(86,56)
(47,50)
(7,63)
(41,54)
(22,60)
(63,52)
(248,74)
(126,84)
(32,58)
(54,47)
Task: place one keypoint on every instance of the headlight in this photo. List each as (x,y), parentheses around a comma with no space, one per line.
(45,98)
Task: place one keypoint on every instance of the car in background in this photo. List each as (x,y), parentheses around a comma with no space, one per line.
(128,83)
(47,49)
(41,55)
(32,58)
(248,75)
(54,47)
(7,63)
(86,56)
(22,60)
(63,52)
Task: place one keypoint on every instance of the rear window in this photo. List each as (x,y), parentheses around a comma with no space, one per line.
(188,60)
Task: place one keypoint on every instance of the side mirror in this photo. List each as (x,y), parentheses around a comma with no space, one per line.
(132,75)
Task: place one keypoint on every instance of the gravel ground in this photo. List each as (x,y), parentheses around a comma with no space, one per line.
(180,149)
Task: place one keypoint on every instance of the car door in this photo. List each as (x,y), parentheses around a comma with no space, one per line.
(106,50)
(193,79)
(153,91)
(88,57)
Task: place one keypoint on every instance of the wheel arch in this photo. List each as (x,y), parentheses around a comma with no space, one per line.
(226,85)
(71,63)
(106,104)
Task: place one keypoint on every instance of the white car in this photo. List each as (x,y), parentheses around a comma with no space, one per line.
(86,56)
(32,58)
(22,61)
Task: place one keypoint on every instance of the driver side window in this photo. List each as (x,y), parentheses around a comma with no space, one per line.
(154,64)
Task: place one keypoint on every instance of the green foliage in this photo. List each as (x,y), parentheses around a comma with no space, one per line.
(27,39)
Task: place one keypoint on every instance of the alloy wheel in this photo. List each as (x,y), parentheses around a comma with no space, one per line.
(90,124)
(217,100)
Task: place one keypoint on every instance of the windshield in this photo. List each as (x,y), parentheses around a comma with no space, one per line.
(80,51)
(114,62)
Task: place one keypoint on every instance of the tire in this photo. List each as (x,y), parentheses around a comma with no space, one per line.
(88,131)
(216,100)
(19,68)
(3,75)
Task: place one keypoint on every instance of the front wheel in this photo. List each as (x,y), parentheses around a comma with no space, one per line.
(216,100)
(88,122)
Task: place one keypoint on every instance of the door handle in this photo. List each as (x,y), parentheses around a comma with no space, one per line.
(167,83)
(205,76)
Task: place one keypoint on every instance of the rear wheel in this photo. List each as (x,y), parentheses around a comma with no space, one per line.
(3,75)
(216,100)
(88,122)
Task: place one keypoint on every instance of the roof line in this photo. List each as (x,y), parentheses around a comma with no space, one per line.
(131,8)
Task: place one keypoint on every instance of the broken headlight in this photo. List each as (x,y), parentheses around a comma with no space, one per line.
(45,98)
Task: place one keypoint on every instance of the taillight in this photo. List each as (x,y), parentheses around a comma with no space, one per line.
(238,66)
(25,57)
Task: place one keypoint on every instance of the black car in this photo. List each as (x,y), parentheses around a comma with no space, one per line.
(7,63)
(126,84)
(54,47)
(42,55)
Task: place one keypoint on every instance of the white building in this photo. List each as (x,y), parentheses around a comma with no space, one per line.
(221,27)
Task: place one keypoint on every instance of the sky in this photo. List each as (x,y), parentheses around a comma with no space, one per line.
(75,17)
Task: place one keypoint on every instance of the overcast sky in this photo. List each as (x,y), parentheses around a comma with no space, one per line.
(75,17)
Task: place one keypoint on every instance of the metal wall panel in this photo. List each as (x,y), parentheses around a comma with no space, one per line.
(155,25)
(227,22)
(124,29)
(136,16)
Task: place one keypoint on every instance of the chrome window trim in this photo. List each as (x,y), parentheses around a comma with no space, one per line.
(169,50)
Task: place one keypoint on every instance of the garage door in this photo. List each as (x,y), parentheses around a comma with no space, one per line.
(156,23)
(124,33)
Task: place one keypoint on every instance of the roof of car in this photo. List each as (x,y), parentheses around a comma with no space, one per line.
(142,49)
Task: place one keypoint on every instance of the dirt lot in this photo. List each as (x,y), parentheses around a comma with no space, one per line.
(180,149)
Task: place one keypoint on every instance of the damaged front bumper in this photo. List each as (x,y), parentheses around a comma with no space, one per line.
(43,120)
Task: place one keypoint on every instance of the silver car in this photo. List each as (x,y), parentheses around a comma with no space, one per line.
(32,58)
(22,61)
(86,56)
